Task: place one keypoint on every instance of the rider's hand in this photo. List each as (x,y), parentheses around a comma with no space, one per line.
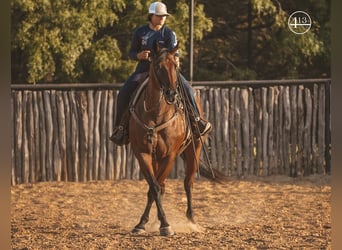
(177,61)
(143,55)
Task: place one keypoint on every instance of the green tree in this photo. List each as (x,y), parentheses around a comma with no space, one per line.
(84,40)
(49,38)
(251,40)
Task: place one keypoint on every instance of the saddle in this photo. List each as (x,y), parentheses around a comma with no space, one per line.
(123,134)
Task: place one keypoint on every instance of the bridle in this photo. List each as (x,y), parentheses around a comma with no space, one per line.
(164,78)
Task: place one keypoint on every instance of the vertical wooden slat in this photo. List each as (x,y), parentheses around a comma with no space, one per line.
(218,128)
(206,112)
(37,134)
(280,134)
(294,145)
(136,175)
(103,135)
(118,162)
(116,149)
(91,122)
(57,163)
(74,136)
(213,142)
(258,129)
(13,139)
(225,132)
(232,167)
(314,130)
(270,138)
(49,135)
(276,165)
(180,168)
(287,129)
(245,125)
(130,163)
(69,149)
(42,135)
(124,163)
(264,131)
(30,137)
(110,144)
(83,133)
(251,131)
(307,154)
(19,135)
(238,133)
(173,172)
(321,130)
(300,107)
(62,134)
(26,153)
(96,148)
(327,128)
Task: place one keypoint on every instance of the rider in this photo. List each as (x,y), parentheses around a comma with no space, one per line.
(141,46)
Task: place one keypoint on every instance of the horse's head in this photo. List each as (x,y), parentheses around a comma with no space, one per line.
(165,70)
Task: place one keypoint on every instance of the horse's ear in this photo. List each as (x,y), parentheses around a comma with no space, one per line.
(155,47)
(174,50)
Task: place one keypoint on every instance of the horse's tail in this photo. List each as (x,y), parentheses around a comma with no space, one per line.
(211,173)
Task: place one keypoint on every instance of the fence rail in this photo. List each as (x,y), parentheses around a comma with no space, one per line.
(60,131)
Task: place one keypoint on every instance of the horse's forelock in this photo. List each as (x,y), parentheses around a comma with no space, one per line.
(162,55)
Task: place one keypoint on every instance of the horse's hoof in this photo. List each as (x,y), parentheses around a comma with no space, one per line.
(138,231)
(166,231)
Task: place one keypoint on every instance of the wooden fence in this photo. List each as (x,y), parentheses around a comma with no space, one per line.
(60,132)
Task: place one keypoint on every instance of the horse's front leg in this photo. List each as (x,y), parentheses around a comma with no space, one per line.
(165,228)
(155,193)
(140,227)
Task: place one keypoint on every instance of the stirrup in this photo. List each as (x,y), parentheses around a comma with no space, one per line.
(206,129)
(204,126)
(201,127)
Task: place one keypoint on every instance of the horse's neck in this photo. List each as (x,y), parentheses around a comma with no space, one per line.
(153,94)
(154,102)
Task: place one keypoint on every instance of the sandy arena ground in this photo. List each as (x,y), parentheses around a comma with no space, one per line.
(253,213)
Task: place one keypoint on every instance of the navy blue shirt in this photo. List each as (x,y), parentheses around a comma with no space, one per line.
(143,38)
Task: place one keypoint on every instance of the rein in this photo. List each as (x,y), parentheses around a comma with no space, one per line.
(187,112)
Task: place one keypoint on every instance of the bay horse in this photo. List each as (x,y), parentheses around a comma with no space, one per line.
(158,131)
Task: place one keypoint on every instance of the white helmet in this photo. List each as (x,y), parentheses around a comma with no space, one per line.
(158,8)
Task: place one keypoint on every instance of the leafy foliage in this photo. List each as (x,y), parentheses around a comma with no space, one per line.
(50,39)
(88,41)
(251,40)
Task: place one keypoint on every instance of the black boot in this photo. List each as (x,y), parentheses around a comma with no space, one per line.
(120,133)
(200,126)
(119,136)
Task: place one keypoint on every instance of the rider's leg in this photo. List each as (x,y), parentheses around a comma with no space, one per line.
(199,124)
(122,102)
